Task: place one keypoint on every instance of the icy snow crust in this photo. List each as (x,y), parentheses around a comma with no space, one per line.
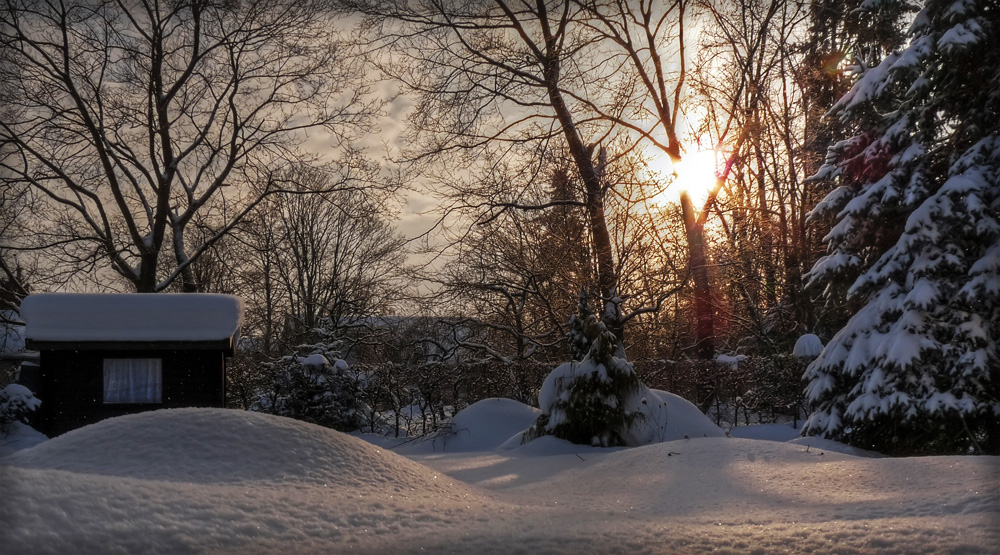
(224,481)
(131,317)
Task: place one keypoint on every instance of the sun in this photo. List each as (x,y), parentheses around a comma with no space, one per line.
(696,174)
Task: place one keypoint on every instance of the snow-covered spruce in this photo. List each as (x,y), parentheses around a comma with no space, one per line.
(597,401)
(318,388)
(917,369)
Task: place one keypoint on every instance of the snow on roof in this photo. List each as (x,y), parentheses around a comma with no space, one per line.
(131,317)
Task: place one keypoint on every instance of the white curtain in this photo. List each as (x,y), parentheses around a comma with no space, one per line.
(133,380)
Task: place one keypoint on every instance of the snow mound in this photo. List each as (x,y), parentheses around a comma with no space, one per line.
(730,479)
(689,496)
(807,346)
(678,418)
(20,436)
(219,481)
(487,424)
(499,424)
(220,446)
(673,478)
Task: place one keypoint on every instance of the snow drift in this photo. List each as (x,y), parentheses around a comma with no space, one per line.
(220,446)
(189,480)
(224,481)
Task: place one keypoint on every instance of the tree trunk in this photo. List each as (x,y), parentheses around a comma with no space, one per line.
(698,266)
(594,185)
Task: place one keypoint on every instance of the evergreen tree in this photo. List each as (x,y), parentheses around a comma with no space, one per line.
(595,401)
(840,32)
(917,368)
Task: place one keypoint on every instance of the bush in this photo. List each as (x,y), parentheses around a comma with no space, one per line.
(319,388)
(17,404)
(756,390)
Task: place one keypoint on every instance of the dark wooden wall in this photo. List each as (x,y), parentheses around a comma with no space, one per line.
(72,385)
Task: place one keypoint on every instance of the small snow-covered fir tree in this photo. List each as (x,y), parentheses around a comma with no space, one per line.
(595,401)
(318,387)
(917,368)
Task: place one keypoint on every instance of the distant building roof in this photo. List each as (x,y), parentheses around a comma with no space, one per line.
(145,317)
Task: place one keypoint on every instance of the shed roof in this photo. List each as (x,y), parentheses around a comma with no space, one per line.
(144,317)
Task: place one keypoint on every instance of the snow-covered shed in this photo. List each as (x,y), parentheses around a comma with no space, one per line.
(104,355)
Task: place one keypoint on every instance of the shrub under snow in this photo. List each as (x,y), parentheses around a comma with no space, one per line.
(17,404)
(807,346)
(318,388)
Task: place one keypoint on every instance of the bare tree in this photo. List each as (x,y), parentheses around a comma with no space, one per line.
(13,281)
(338,258)
(133,119)
(743,80)
(311,256)
(503,76)
(518,273)
(651,40)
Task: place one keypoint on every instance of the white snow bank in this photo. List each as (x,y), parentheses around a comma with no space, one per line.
(681,419)
(20,436)
(190,480)
(739,496)
(485,425)
(222,481)
(808,346)
(132,317)
(215,446)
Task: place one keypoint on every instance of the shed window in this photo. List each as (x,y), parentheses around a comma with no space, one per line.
(133,380)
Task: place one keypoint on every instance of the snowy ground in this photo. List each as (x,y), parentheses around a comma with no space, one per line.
(222,481)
